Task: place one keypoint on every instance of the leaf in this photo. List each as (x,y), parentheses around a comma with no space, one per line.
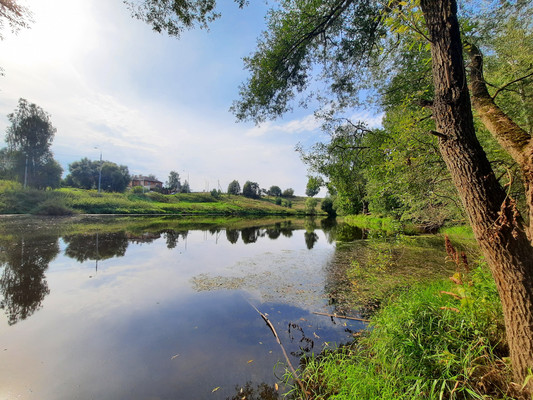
(276,387)
(174,356)
(215,389)
(249,361)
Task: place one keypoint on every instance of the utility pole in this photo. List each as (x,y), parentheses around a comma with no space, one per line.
(100,173)
(26,172)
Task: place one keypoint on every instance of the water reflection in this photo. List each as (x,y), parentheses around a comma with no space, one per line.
(98,246)
(261,391)
(23,282)
(160,318)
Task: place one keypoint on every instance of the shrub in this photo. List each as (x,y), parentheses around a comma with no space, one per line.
(52,207)
(327,206)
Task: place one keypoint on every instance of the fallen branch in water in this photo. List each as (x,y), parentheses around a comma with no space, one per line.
(341,316)
(293,371)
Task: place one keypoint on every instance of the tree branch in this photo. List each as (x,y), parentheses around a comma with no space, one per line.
(510,83)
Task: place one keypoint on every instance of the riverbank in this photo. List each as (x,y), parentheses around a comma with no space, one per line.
(66,201)
(437,338)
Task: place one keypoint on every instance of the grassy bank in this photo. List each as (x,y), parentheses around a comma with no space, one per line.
(439,341)
(15,200)
(438,332)
(381,224)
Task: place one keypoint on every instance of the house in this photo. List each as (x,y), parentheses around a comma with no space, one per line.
(149,183)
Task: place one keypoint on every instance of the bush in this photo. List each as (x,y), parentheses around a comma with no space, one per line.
(137,189)
(53,207)
(310,205)
(432,342)
(327,206)
(278,201)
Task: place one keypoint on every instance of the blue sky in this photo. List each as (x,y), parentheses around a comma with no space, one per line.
(149,101)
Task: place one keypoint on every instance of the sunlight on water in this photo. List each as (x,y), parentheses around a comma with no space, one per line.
(145,310)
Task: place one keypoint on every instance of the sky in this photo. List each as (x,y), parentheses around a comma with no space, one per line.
(149,101)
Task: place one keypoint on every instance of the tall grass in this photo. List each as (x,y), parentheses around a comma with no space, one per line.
(16,200)
(438,341)
(383,224)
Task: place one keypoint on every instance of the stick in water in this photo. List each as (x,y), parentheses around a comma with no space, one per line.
(293,371)
(341,316)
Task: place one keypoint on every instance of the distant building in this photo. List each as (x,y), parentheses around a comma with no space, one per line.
(146,182)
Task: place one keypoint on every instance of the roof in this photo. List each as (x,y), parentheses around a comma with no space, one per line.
(144,178)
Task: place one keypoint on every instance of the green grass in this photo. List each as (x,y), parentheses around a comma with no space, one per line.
(459,232)
(387,225)
(424,344)
(15,200)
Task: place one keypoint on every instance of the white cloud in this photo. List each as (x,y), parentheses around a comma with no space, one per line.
(147,101)
(306,124)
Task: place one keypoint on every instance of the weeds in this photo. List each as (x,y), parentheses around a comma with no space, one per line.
(443,340)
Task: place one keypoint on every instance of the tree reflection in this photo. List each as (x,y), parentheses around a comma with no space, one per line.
(275,232)
(310,239)
(172,237)
(249,235)
(261,392)
(23,282)
(96,246)
(232,235)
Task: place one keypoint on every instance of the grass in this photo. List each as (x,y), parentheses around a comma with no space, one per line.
(16,200)
(439,341)
(386,225)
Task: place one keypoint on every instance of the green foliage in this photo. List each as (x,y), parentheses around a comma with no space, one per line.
(431,342)
(313,186)
(327,206)
(53,207)
(216,193)
(278,201)
(85,174)
(251,190)
(341,161)
(274,191)
(137,189)
(234,187)
(288,193)
(28,156)
(310,205)
(173,184)
(185,188)
(115,178)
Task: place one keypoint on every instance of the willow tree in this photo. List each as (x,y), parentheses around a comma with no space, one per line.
(341,42)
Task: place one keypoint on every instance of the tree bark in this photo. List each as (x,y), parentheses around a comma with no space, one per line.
(515,140)
(495,221)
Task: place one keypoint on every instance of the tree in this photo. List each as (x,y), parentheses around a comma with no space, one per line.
(353,41)
(310,205)
(115,178)
(289,192)
(185,188)
(15,15)
(251,190)
(85,174)
(234,187)
(173,184)
(327,206)
(29,138)
(274,191)
(313,186)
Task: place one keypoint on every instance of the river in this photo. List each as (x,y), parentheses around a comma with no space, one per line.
(163,308)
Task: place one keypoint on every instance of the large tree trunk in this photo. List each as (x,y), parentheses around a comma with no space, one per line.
(496,224)
(515,140)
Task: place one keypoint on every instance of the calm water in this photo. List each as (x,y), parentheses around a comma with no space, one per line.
(160,308)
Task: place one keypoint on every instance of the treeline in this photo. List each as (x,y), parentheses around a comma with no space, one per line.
(398,170)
